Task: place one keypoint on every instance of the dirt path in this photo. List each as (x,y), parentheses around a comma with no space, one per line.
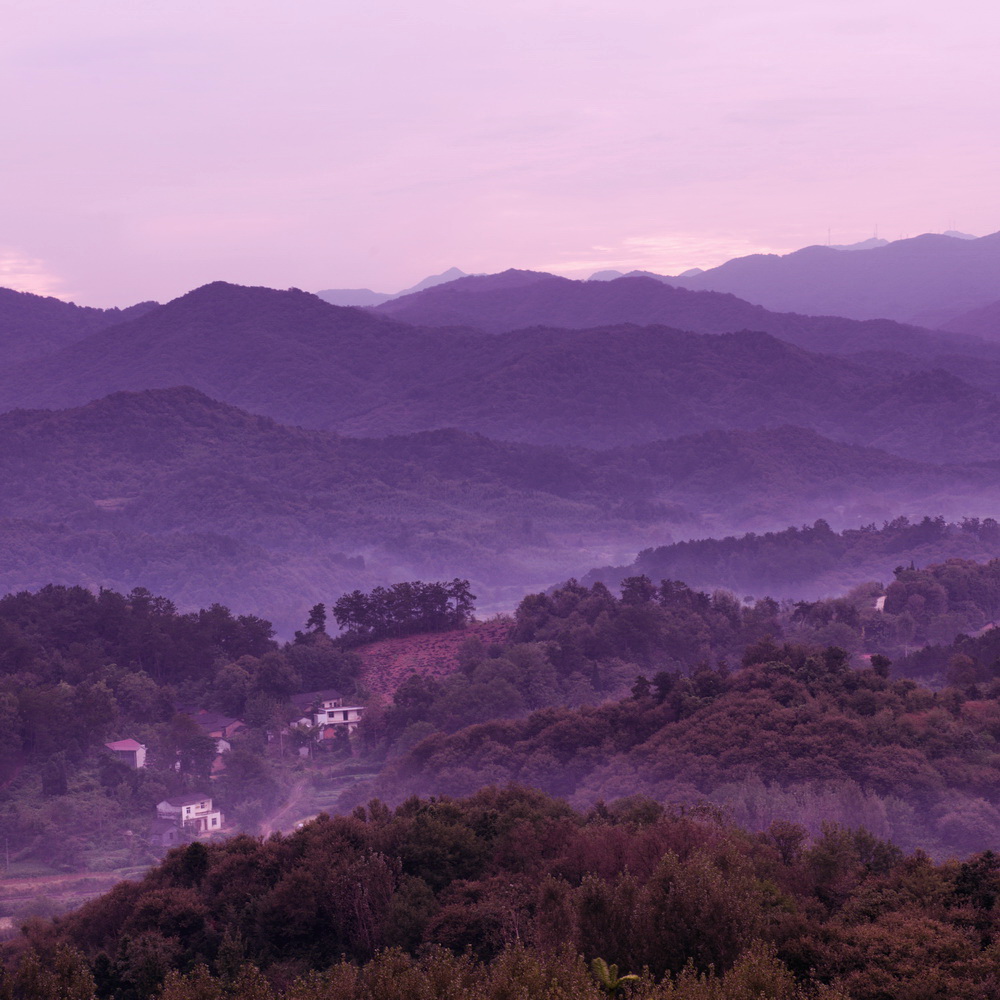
(281,819)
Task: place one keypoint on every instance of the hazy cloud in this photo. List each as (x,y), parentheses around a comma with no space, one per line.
(156,147)
(28,274)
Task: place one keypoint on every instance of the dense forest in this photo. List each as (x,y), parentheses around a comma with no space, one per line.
(510,894)
(736,705)
(590,692)
(753,809)
(815,560)
(404,609)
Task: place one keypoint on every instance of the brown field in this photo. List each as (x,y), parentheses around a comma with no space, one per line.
(63,892)
(387,663)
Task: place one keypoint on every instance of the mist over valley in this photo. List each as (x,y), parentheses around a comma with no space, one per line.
(377,591)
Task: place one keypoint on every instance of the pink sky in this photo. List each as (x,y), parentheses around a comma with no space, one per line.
(148,148)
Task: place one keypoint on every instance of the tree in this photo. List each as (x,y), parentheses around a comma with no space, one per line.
(189,747)
(404,609)
(54,776)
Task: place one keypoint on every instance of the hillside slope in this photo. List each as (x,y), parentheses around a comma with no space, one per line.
(32,326)
(199,500)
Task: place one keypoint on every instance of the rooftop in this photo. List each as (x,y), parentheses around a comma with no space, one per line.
(309,698)
(188,800)
(124,745)
(209,721)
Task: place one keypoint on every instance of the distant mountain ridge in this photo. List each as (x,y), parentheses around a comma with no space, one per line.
(811,561)
(301,361)
(366,297)
(983,322)
(514,300)
(926,280)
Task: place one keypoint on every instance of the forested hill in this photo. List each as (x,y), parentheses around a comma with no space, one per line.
(284,353)
(205,502)
(202,501)
(812,561)
(737,703)
(514,300)
(295,358)
(34,325)
(804,858)
(982,322)
(510,895)
(792,734)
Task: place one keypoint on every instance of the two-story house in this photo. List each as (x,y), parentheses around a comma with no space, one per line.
(327,710)
(191,812)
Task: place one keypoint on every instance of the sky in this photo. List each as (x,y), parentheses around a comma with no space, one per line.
(148,148)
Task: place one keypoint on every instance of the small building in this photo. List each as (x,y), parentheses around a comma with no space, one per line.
(219,727)
(165,833)
(128,752)
(326,710)
(192,812)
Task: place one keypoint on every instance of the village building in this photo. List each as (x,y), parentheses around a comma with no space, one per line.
(192,813)
(327,711)
(165,833)
(219,727)
(128,752)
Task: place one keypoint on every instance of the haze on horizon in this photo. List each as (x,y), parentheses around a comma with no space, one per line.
(154,148)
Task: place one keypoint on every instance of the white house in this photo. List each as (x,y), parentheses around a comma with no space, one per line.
(326,709)
(192,812)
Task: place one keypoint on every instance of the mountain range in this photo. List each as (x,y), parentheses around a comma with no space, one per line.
(293,357)
(512,428)
(366,297)
(927,280)
(514,300)
(932,280)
